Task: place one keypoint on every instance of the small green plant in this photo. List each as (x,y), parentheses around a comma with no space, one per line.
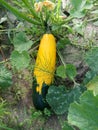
(5,77)
(3,113)
(47,112)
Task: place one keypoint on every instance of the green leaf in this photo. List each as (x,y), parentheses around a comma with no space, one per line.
(89,4)
(84,115)
(56,98)
(77,14)
(21,43)
(93,85)
(62,43)
(66,126)
(5,77)
(91,59)
(20,60)
(80,7)
(79,27)
(74,94)
(71,71)
(77,5)
(61,71)
(89,76)
(59,98)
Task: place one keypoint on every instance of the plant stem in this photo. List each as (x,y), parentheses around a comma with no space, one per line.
(93,19)
(4,61)
(58,8)
(2,53)
(62,60)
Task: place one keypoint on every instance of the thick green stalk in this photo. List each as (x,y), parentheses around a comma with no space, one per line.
(17,13)
(58,8)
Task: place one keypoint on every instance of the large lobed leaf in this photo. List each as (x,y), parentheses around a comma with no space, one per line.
(21,43)
(91,77)
(56,98)
(20,60)
(80,7)
(84,115)
(59,98)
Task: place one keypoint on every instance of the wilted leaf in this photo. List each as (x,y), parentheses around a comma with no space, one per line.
(20,60)
(84,115)
(5,77)
(21,43)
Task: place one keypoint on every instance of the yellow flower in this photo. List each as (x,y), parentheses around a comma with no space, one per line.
(38,6)
(50,5)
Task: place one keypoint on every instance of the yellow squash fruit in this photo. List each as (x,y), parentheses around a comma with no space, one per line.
(45,62)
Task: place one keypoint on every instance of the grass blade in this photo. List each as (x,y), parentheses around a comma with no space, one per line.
(27,4)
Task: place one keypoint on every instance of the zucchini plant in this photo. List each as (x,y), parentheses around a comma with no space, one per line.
(54,25)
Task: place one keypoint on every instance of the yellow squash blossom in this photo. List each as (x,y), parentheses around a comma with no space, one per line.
(38,6)
(48,4)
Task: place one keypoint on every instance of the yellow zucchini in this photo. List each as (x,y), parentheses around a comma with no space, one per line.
(45,62)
